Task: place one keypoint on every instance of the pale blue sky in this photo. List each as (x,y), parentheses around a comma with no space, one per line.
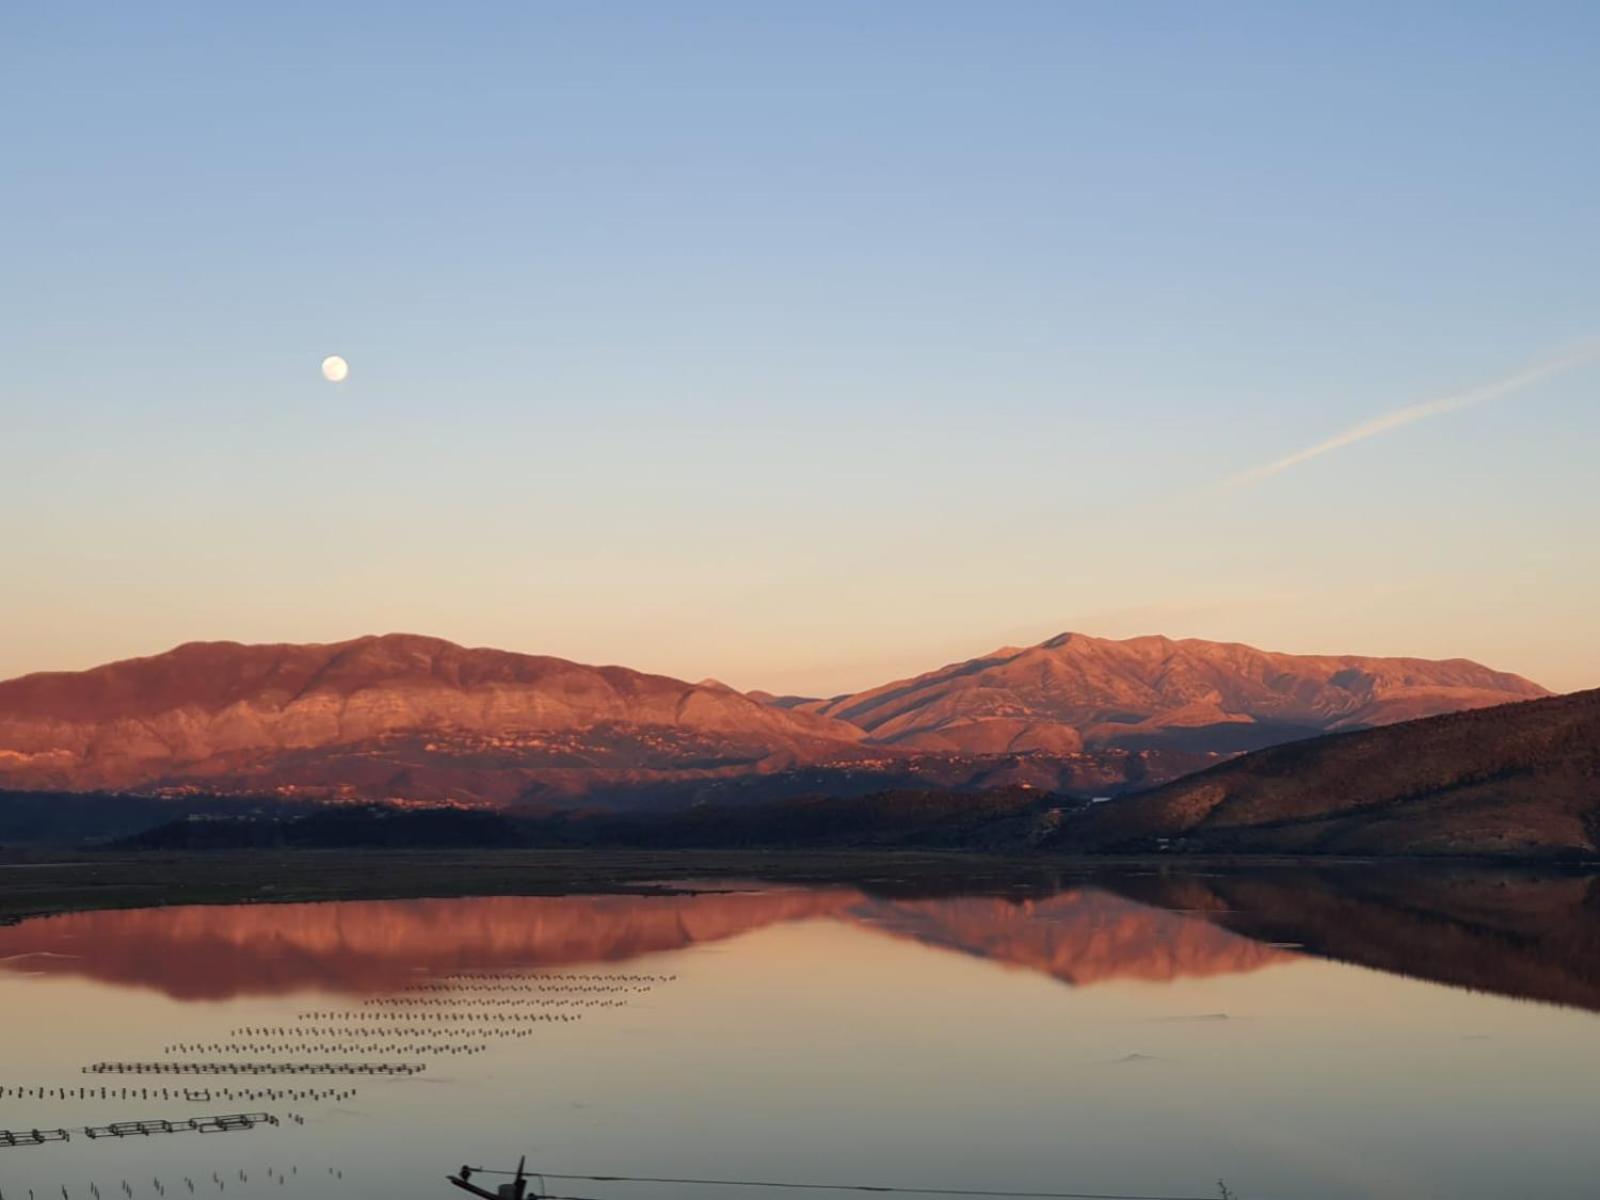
(799,344)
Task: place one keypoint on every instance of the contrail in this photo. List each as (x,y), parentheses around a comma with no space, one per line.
(1585,352)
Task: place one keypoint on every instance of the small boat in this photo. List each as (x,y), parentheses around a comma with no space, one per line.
(517,1189)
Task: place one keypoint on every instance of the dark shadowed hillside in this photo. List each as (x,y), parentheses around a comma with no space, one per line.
(1520,779)
(1001,819)
(1519,931)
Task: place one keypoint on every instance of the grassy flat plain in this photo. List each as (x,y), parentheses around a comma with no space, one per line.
(40,883)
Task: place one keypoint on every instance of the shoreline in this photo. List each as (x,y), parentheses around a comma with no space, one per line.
(41,883)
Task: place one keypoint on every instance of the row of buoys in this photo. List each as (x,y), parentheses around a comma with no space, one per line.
(253,1068)
(620,976)
(449,1002)
(193,1095)
(598,989)
(146,1128)
(407,1023)
(443,1012)
(32,1137)
(377,1047)
(483,1027)
(587,989)
(453,988)
(368,1041)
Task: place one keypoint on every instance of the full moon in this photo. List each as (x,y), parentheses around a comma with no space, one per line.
(334,369)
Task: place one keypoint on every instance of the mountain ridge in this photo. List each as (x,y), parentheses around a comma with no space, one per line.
(406,716)
(1074,692)
(118,724)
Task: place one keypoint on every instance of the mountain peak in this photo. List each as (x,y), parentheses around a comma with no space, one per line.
(1154,691)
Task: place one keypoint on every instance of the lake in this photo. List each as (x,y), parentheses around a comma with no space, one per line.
(1296,1033)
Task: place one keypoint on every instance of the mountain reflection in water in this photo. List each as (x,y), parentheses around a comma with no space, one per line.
(1106,1032)
(212,953)
(1519,934)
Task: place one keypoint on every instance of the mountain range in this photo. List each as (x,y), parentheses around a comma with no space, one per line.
(408,718)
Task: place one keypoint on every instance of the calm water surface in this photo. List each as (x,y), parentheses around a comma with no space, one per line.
(1356,1034)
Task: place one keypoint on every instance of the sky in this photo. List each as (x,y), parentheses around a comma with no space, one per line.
(803,345)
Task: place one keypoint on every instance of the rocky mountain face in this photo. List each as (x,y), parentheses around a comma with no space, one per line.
(1519,780)
(1075,693)
(370,716)
(413,718)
